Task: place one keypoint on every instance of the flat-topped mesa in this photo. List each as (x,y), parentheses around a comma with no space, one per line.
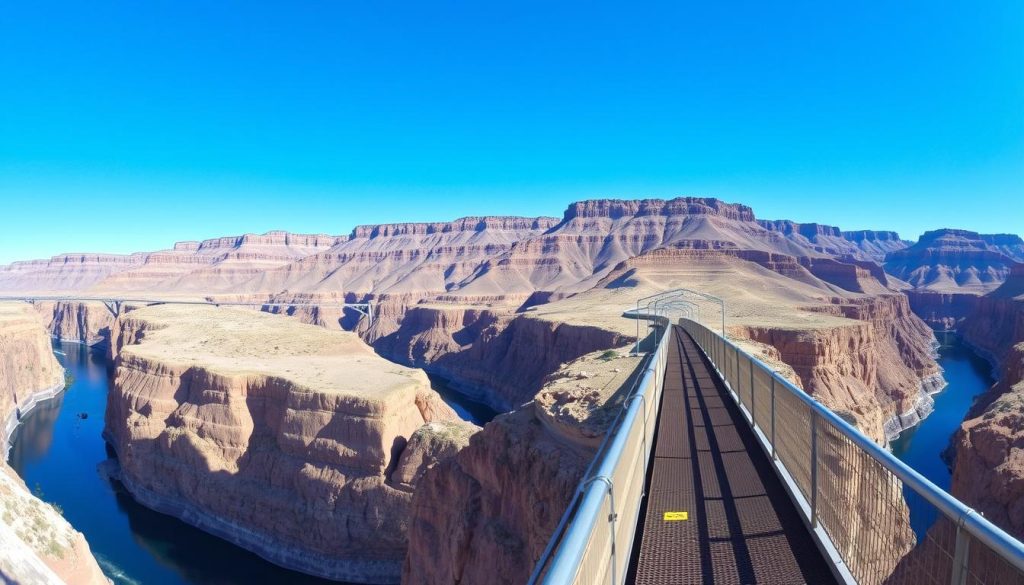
(947,239)
(464,224)
(954,261)
(807,230)
(269,239)
(618,208)
(873,236)
(281,437)
(37,545)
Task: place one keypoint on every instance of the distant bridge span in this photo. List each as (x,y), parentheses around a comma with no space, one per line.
(116,304)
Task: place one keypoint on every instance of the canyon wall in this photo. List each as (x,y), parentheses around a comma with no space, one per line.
(287,439)
(988,472)
(486,515)
(497,357)
(38,545)
(878,369)
(81,322)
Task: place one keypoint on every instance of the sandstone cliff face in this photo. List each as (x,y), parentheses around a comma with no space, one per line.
(988,472)
(942,311)
(496,357)
(284,438)
(82,322)
(486,515)
(36,544)
(879,369)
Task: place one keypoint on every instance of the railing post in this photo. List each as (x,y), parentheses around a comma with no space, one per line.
(963,544)
(773,418)
(612,516)
(739,391)
(814,469)
(753,401)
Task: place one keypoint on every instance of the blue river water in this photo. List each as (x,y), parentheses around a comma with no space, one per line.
(921,447)
(57,451)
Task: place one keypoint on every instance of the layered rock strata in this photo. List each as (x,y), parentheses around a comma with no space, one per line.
(284,438)
(949,269)
(988,472)
(878,369)
(37,544)
(486,515)
(80,322)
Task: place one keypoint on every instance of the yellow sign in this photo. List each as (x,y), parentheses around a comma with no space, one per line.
(675,516)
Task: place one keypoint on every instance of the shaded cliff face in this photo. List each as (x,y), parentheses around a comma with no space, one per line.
(988,472)
(878,370)
(36,544)
(497,357)
(287,439)
(82,322)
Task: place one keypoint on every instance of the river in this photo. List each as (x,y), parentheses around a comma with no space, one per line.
(57,451)
(921,447)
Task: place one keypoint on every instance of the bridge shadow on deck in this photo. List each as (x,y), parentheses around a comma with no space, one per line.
(742,526)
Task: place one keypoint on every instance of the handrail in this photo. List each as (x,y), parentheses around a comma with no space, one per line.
(590,542)
(1006,546)
(562,558)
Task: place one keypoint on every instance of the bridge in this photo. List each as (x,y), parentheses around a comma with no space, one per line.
(717,469)
(116,304)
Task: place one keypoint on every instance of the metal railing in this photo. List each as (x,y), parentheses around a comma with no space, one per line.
(858,501)
(594,539)
(857,498)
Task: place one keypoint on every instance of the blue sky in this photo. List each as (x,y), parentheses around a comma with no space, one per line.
(125,126)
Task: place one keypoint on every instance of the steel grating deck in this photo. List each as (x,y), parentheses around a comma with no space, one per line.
(741,526)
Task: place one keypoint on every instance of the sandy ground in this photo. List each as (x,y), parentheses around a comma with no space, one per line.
(242,341)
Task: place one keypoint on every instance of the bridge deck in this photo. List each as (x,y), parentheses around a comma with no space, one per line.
(741,526)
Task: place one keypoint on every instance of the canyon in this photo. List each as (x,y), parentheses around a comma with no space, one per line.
(988,450)
(290,440)
(949,270)
(514,312)
(38,545)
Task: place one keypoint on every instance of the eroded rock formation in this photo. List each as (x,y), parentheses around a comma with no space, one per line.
(948,269)
(287,439)
(498,304)
(37,544)
(988,472)
(485,515)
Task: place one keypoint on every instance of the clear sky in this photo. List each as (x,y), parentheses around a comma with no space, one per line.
(128,125)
